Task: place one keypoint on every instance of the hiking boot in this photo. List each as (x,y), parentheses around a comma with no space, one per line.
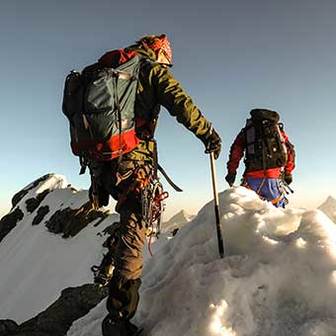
(119,327)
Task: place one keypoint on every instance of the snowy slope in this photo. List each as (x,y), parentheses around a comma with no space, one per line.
(37,264)
(329,208)
(278,277)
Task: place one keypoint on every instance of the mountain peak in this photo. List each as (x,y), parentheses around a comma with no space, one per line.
(329,208)
(177,221)
(182,215)
(331,199)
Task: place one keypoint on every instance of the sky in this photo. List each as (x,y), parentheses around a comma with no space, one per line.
(230,56)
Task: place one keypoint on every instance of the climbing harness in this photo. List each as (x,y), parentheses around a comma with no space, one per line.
(153,205)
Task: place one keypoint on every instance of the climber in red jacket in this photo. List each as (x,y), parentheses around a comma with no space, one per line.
(269,156)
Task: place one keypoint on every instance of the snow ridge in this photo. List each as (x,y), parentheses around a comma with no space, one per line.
(278,276)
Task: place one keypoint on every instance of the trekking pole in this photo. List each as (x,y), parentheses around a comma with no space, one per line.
(216,202)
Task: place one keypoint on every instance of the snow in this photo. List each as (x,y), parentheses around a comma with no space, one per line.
(278,276)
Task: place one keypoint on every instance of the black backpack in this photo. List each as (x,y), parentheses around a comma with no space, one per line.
(99,104)
(265,144)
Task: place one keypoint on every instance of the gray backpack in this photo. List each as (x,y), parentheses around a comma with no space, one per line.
(99,104)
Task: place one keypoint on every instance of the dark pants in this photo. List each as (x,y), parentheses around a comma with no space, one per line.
(125,181)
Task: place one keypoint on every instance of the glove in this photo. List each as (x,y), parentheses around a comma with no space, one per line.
(212,143)
(288,178)
(230,178)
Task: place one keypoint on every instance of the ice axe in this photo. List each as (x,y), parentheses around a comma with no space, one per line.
(216,203)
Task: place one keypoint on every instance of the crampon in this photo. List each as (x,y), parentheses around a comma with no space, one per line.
(102,274)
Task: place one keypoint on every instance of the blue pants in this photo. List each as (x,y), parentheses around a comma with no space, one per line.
(268,189)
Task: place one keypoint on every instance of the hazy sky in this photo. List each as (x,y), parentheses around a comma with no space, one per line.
(231,56)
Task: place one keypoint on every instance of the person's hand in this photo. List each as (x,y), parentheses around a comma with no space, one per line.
(288,178)
(230,178)
(212,143)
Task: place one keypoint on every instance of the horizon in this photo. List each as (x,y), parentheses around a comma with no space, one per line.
(173,210)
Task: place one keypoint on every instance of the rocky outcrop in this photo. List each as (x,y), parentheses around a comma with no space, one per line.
(33,206)
(41,213)
(33,203)
(8,327)
(32,333)
(9,221)
(69,222)
(56,320)
(22,193)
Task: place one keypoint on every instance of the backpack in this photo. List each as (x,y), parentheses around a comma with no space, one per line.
(265,144)
(99,104)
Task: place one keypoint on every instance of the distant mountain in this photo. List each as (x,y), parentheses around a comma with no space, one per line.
(329,208)
(177,221)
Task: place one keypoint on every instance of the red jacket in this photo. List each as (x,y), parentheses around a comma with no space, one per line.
(237,152)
